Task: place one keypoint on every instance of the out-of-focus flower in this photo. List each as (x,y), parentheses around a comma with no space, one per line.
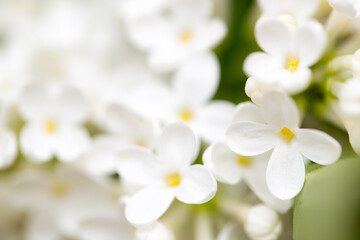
(129,127)
(289,10)
(350,8)
(187,100)
(279,130)
(54,116)
(263,223)
(165,177)
(172,40)
(57,204)
(289,53)
(111,228)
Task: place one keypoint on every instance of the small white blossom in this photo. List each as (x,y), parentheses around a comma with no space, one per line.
(263,223)
(188,99)
(172,40)
(289,53)
(166,176)
(54,116)
(350,8)
(278,129)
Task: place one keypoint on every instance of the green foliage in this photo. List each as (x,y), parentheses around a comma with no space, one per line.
(239,43)
(328,208)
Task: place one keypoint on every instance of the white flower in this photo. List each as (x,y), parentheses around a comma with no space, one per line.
(289,53)
(263,223)
(279,130)
(128,126)
(8,141)
(124,128)
(188,99)
(349,96)
(101,157)
(289,9)
(58,203)
(130,10)
(255,89)
(166,176)
(231,168)
(155,231)
(117,228)
(54,116)
(172,40)
(350,8)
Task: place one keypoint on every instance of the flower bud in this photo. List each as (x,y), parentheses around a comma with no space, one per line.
(263,223)
(356,64)
(350,8)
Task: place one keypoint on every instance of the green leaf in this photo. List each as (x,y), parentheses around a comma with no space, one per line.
(329,206)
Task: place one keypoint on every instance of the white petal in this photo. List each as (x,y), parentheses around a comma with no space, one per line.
(256,180)
(279,110)
(138,166)
(41,225)
(285,174)
(148,33)
(177,145)
(34,103)
(197,80)
(152,100)
(247,111)
(105,229)
(262,66)
(295,82)
(354,135)
(167,59)
(273,36)
(35,145)
(225,166)
(148,205)
(72,106)
(310,42)
(191,10)
(318,146)
(129,126)
(197,185)
(101,158)
(71,143)
(209,34)
(8,148)
(250,138)
(156,231)
(213,119)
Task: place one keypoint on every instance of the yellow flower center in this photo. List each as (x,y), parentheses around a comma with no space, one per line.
(59,188)
(141,143)
(50,127)
(244,161)
(293,64)
(185,115)
(286,134)
(173,179)
(185,36)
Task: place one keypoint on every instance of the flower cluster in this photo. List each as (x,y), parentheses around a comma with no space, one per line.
(112,129)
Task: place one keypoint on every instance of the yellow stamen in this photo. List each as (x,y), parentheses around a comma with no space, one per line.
(141,143)
(50,127)
(185,115)
(173,179)
(286,134)
(59,188)
(293,64)
(186,36)
(244,161)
